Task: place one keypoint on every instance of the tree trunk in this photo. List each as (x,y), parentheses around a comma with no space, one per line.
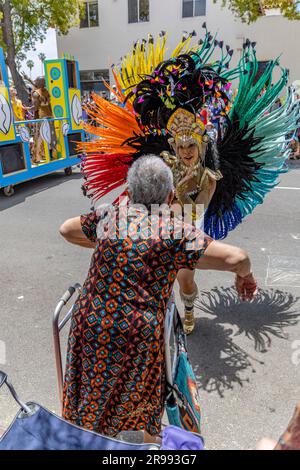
(8,37)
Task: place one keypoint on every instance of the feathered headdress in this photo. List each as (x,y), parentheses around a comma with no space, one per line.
(251,150)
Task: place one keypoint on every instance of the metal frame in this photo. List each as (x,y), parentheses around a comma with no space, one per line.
(169,328)
(4,380)
(57,326)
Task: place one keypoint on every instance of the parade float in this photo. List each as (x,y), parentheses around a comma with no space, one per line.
(17,137)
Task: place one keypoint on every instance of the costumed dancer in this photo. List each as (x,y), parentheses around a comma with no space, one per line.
(17,105)
(161,103)
(41,101)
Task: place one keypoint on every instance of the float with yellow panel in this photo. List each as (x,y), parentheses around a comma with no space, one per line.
(58,136)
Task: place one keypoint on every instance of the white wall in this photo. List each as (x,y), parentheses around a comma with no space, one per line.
(97,48)
(276,35)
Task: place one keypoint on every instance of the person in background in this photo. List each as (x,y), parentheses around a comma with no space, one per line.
(17,105)
(295,146)
(42,110)
(290,439)
(84,110)
(211,131)
(204,115)
(113,95)
(91,102)
(215,113)
(91,99)
(276,105)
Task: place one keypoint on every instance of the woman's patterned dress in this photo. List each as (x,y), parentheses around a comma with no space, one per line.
(115,373)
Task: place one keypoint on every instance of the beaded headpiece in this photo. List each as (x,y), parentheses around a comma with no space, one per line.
(185,128)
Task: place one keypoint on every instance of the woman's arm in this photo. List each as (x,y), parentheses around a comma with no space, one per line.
(222,257)
(72,231)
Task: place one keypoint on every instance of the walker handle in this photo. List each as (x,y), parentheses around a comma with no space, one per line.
(68,294)
(4,380)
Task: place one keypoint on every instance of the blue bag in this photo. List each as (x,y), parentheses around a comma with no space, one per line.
(183,407)
(36,428)
(174,438)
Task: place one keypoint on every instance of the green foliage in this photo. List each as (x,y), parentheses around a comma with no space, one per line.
(30,64)
(20,57)
(250,10)
(32,18)
(42,56)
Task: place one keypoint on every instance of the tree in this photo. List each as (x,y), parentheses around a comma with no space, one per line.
(42,57)
(24,22)
(250,10)
(20,57)
(30,65)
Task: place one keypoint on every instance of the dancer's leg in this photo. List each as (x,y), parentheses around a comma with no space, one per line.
(188,294)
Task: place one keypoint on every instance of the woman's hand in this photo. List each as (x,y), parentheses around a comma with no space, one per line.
(246,287)
(190,174)
(186,185)
(208,189)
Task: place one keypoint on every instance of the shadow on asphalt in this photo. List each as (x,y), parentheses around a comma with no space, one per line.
(217,360)
(35,186)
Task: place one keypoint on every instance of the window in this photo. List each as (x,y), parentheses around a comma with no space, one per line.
(262,65)
(192,8)
(71,72)
(138,11)
(90,16)
(272,7)
(94,80)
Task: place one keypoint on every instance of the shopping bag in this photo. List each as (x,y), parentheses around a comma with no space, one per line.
(36,428)
(183,408)
(174,438)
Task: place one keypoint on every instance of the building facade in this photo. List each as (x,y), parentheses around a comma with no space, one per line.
(110,27)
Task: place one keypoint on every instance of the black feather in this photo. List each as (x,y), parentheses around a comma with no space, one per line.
(182,82)
(236,164)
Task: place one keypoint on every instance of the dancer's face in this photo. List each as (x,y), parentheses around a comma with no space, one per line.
(189,154)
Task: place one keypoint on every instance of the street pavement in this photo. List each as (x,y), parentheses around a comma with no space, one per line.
(246,355)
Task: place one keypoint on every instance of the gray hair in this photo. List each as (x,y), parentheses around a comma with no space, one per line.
(150,181)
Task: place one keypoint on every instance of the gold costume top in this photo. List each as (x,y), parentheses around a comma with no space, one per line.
(41,101)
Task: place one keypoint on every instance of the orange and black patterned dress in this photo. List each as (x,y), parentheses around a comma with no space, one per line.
(115,372)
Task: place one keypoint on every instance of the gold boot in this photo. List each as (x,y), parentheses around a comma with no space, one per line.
(189,319)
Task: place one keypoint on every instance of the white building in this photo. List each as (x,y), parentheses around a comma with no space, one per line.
(110,27)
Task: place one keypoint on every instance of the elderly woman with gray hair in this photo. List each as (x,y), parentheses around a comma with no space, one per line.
(115,372)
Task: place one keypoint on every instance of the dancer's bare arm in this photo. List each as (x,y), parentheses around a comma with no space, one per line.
(71,230)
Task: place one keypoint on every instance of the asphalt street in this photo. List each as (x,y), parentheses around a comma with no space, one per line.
(246,355)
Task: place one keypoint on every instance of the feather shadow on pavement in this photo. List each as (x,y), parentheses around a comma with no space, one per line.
(219,362)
